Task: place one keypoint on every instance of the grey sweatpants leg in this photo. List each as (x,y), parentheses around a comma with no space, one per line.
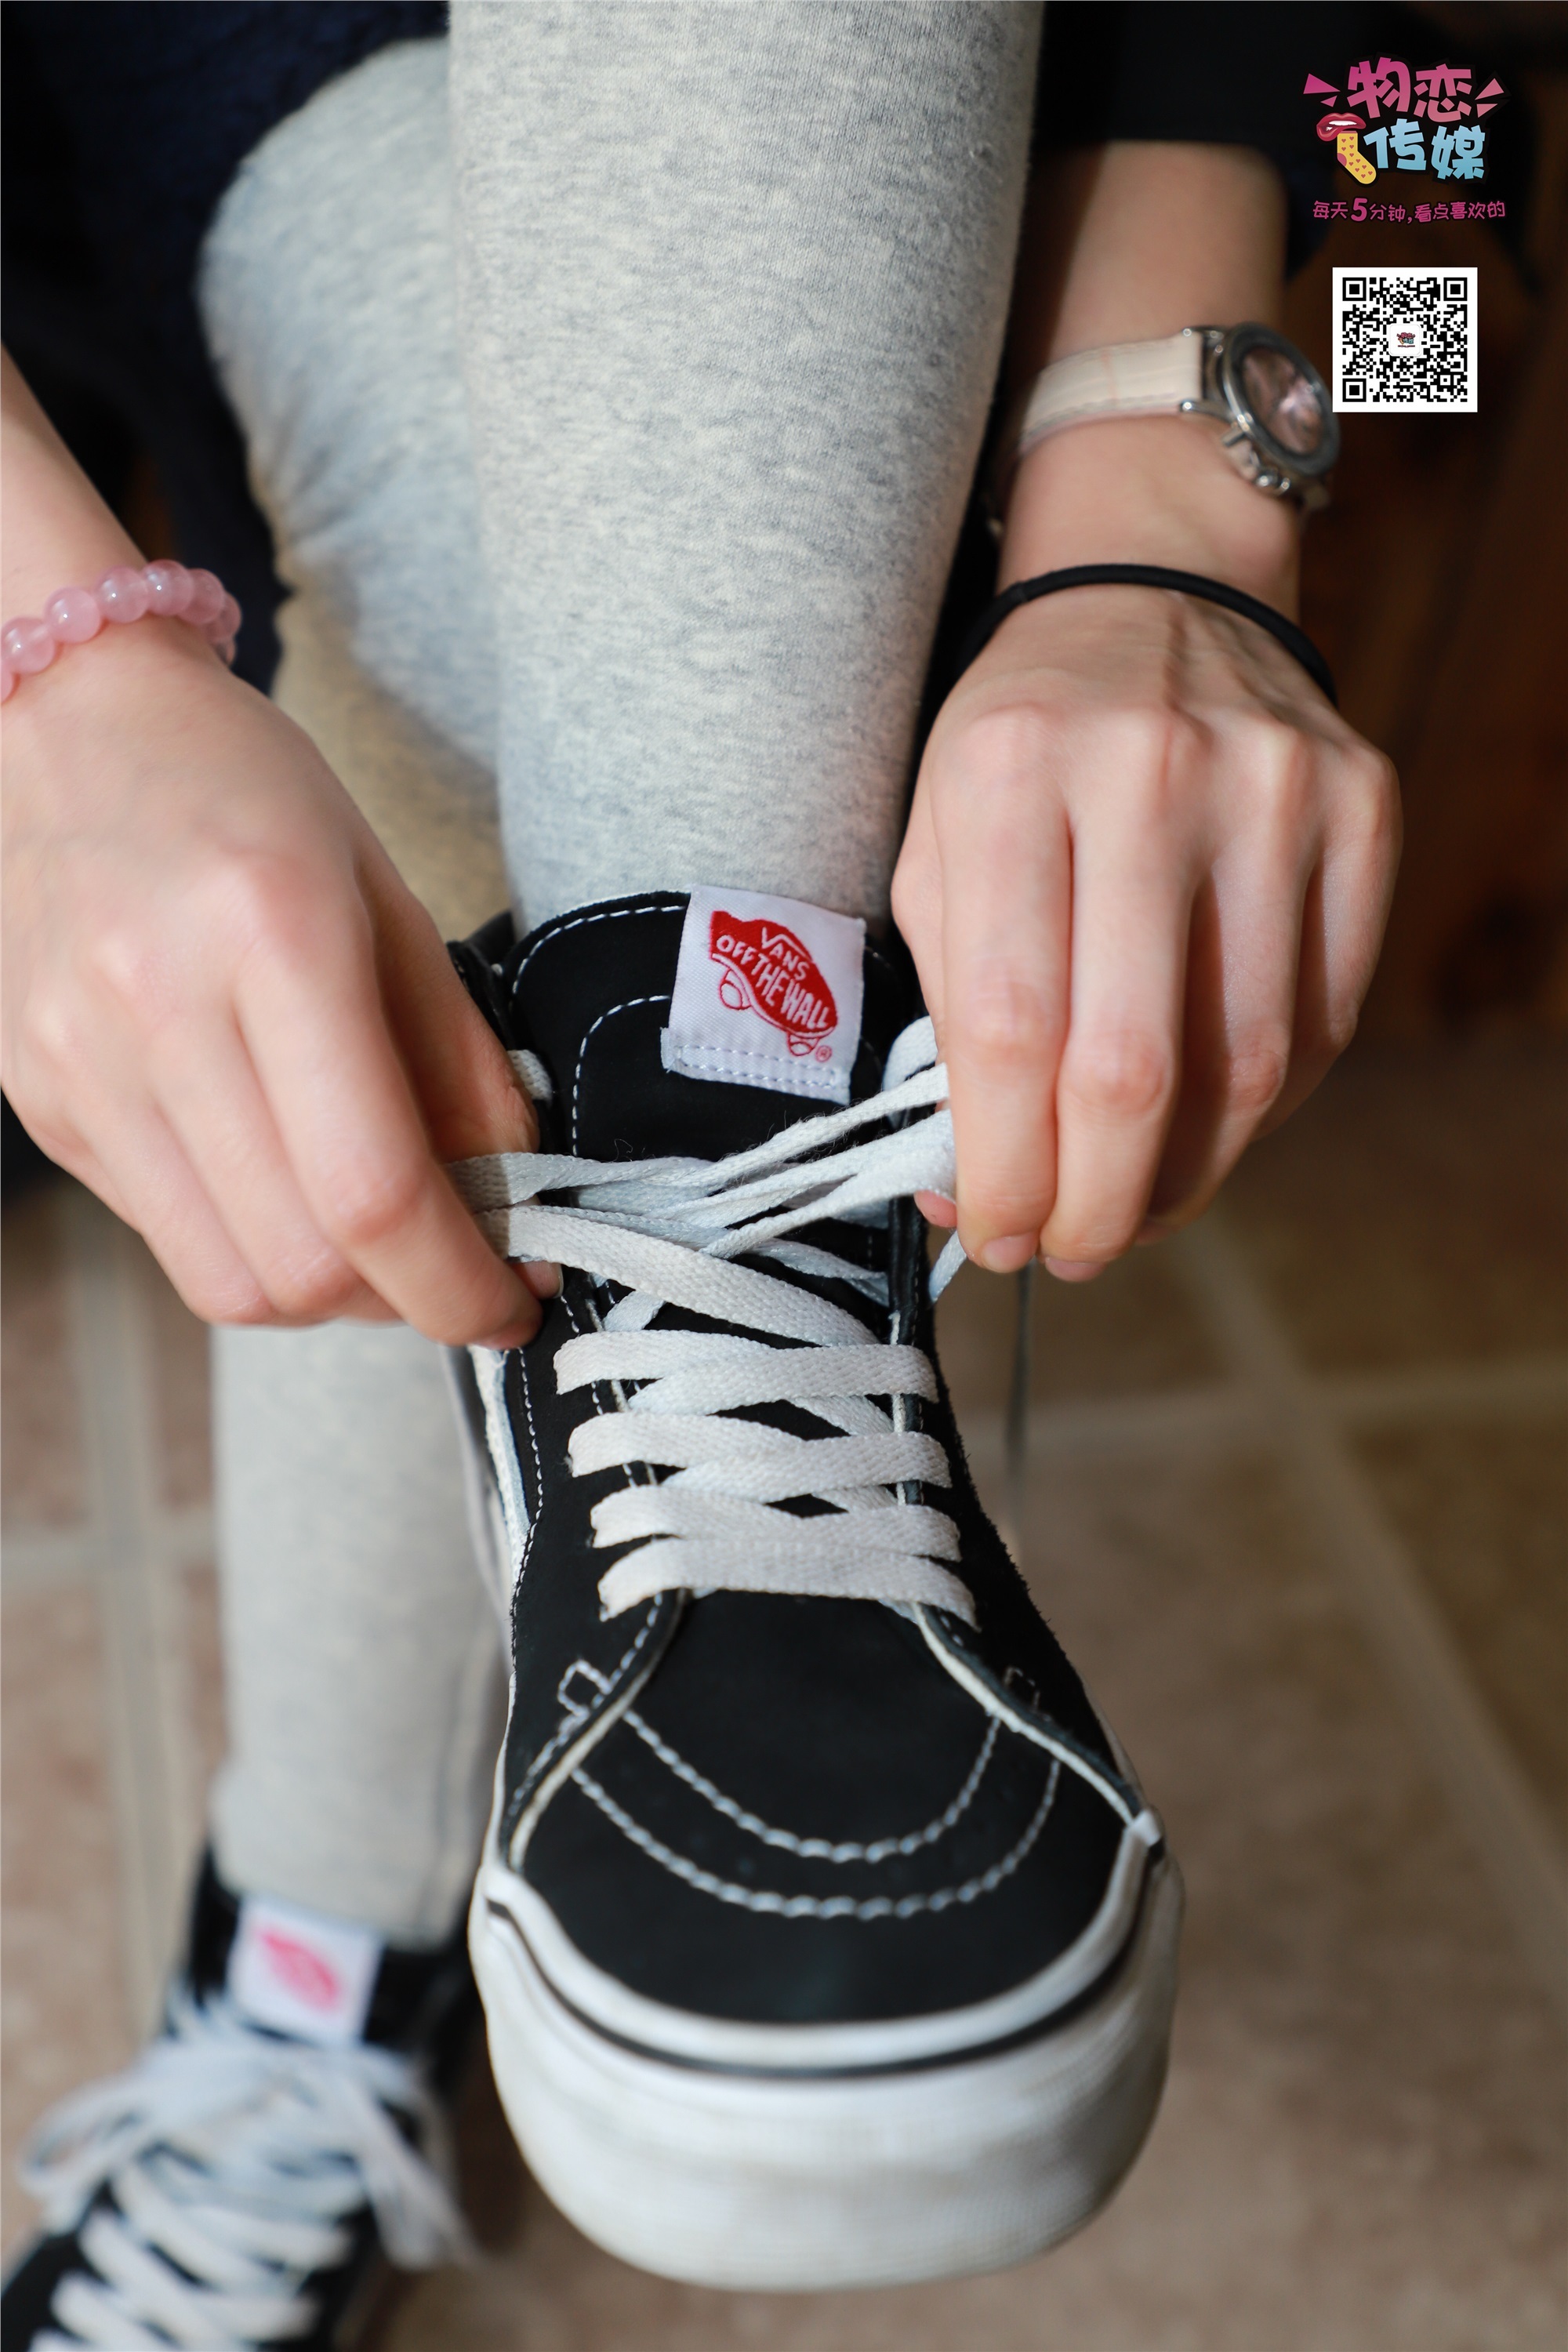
(360,1645)
(361,1651)
(731,286)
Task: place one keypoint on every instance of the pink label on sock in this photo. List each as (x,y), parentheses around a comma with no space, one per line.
(767,993)
(301,1974)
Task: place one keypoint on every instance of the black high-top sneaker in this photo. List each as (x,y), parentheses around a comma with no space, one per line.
(823,1934)
(248,2179)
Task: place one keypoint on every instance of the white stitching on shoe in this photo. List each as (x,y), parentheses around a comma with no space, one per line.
(595,915)
(630,1005)
(567,1730)
(538,1467)
(1124,1800)
(813,1906)
(816,1849)
(615,914)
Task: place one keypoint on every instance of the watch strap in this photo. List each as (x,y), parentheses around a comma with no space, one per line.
(1118,380)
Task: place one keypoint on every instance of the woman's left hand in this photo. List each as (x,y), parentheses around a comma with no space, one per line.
(1144,883)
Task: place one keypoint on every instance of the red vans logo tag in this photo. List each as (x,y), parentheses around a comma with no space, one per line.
(783,1009)
(764,969)
(302,1975)
(306,1974)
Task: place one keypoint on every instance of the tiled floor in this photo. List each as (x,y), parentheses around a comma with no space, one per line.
(1297,1502)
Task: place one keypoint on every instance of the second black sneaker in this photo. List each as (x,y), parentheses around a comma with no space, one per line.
(248,2178)
(823,1934)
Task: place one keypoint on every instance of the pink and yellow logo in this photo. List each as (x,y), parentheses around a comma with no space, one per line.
(1391,118)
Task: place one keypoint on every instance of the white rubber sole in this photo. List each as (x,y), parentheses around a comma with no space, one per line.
(732,2179)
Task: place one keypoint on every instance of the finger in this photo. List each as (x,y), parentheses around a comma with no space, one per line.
(917,893)
(1239,1023)
(208,1091)
(466,1087)
(917,911)
(936,1210)
(156,1191)
(463,1082)
(1344,919)
(1117,1085)
(1334,920)
(311,1015)
(63,1143)
(1007,915)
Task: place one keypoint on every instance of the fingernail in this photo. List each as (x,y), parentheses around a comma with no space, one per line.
(1072,1269)
(1006,1255)
(542,1279)
(935,1209)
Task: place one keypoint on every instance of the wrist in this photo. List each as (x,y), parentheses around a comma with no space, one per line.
(1154,490)
(119,680)
(56,527)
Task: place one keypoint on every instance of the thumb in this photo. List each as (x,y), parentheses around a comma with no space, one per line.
(468,1092)
(472,1099)
(468,1095)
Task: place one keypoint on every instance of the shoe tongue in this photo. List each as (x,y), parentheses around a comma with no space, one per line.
(301,1974)
(700,1025)
(322,1979)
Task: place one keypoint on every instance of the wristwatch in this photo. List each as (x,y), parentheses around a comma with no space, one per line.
(1281,433)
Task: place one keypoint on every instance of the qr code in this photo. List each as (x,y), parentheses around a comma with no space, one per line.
(1404,341)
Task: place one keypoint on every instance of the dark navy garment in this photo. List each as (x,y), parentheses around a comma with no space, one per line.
(124,121)
(123,124)
(1209,70)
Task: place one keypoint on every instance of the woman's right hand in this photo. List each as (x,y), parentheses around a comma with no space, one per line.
(226,1014)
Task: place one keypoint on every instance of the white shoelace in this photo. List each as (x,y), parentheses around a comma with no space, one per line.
(238,2157)
(669,1230)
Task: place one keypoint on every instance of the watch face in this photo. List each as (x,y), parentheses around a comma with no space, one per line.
(1285,404)
(1280,403)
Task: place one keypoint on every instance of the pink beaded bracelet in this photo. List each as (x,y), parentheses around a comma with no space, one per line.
(72,615)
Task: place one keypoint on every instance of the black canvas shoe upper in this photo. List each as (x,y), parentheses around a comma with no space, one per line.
(187,2228)
(758,1806)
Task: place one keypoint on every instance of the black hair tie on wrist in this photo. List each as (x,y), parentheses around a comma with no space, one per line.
(1149,576)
